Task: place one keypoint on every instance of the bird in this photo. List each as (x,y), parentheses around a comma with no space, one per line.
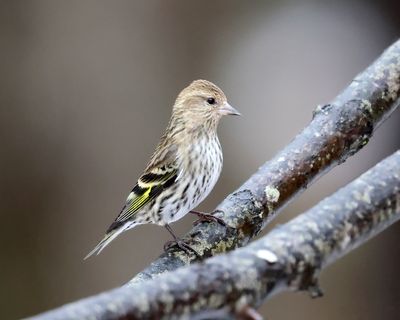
(183,169)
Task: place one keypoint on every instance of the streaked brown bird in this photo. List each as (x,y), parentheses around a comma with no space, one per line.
(184,167)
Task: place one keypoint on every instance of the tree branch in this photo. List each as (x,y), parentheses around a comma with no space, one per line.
(337,131)
(290,257)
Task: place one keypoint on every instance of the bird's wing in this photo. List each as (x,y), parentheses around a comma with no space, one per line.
(160,174)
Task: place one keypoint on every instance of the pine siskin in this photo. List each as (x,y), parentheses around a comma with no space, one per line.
(184,167)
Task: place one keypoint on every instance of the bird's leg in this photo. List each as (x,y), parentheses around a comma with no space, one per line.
(178,242)
(208,217)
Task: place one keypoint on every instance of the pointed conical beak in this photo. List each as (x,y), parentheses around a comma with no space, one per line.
(227,109)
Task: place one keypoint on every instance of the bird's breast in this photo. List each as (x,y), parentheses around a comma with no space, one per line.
(204,167)
(201,165)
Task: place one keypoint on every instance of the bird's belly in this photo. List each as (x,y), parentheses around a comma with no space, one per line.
(193,188)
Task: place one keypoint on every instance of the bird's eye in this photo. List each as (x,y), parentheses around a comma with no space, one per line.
(211,101)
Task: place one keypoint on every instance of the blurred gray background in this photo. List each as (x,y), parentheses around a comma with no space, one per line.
(86,90)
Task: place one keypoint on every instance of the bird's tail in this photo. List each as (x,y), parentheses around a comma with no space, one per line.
(110,236)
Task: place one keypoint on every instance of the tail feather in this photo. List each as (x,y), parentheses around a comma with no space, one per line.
(110,236)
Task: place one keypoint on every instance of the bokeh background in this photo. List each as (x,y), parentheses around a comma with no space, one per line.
(86,89)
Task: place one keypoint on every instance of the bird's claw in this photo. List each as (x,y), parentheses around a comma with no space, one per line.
(209,217)
(181,244)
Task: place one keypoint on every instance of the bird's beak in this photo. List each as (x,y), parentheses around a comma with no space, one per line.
(227,109)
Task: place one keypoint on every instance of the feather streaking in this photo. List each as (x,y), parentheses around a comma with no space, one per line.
(184,167)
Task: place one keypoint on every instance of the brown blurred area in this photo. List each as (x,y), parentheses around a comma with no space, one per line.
(86,89)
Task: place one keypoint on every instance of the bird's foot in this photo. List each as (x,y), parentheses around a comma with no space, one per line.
(209,217)
(181,244)
(178,242)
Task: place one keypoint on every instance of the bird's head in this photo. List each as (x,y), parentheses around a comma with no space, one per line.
(202,102)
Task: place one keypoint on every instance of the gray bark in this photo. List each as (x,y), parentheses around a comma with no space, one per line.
(288,258)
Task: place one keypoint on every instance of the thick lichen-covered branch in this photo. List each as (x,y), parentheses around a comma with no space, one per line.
(337,131)
(290,257)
